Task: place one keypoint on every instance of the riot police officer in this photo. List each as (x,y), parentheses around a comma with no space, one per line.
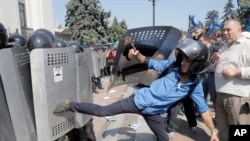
(3,36)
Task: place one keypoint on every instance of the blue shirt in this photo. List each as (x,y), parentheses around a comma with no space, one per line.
(164,92)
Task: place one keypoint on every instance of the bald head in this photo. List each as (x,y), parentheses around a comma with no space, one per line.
(232,31)
(234,22)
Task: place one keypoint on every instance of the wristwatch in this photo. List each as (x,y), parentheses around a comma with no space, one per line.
(214,133)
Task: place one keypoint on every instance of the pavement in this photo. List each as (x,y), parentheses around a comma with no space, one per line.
(132,127)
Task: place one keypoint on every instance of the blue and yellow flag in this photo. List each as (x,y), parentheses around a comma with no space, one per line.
(191,23)
(217,23)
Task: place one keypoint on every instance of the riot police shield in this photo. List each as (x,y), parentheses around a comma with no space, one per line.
(3,36)
(154,41)
(53,80)
(7,130)
(17,92)
(83,86)
(96,63)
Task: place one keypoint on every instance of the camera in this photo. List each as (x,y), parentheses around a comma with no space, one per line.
(198,37)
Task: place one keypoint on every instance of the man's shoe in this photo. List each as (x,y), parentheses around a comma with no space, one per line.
(193,129)
(197,114)
(62,106)
(95,91)
(101,88)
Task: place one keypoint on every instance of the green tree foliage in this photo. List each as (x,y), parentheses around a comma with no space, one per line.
(87,22)
(244,14)
(229,12)
(210,17)
(118,29)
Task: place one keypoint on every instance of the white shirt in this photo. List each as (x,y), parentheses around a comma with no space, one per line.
(238,55)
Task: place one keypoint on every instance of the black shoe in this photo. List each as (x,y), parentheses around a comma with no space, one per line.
(62,106)
(169,127)
(197,114)
(95,91)
(170,130)
(101,88)
(193,129)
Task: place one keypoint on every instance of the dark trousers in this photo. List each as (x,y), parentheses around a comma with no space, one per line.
(171,117)
(93,83)
(98,82)
(155,122)
(86,133)
(209,87)
(189,111)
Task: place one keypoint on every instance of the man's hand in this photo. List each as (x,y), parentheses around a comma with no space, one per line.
(214,138)
(215,57)
(207,118)
(231,72)
(62,106)
(133,53)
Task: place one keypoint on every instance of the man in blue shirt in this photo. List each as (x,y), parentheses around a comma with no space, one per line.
(191,59)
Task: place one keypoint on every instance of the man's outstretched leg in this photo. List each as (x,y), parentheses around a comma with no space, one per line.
(122,106)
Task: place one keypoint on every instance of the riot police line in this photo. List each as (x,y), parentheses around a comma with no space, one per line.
(35,74)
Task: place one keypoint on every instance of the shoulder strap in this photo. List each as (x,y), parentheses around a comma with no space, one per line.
(167,70)
(191,89)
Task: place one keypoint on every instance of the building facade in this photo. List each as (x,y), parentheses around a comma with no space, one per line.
(25,16)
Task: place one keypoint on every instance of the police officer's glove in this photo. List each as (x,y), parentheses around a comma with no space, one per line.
(62,106)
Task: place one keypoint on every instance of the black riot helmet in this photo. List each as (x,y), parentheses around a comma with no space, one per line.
(38,40)
(3,36)
(195,51)
(59,43)
(78,47)
(17,39)
(47,33)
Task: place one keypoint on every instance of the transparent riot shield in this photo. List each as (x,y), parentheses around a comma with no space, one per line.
(154,41)
(53,79)
(17,111)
